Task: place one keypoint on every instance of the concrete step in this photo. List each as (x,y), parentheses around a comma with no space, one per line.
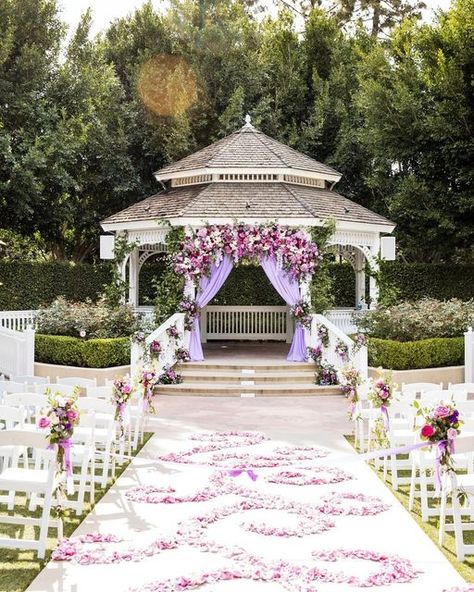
(235,377)
(263,366)
(236,390)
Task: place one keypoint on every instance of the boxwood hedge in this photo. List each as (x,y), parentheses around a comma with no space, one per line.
(410,355)
(74,351)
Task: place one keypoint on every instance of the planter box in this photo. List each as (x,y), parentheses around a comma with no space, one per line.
(101,374)
(454,374)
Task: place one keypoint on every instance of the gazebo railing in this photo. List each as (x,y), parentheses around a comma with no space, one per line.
(18,320)
(246,323)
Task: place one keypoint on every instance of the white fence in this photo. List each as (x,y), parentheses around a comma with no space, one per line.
(469,355)
(18,320)
(246,322)
(17,352)
(169,345)
(358,358)
(343,318)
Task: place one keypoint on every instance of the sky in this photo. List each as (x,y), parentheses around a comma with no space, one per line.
(104,11)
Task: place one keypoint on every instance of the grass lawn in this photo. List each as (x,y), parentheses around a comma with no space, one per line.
(19,567)
(466,567)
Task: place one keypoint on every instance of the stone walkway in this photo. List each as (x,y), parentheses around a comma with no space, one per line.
(287,421)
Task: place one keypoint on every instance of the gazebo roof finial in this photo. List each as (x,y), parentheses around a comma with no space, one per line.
(248,119)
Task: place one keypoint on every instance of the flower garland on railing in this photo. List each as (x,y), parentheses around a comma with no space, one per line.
(191,311)
(342,351)
(380,395)
(290,246)
(173,332)
(154,349)
(442,427)
(60,418)
(169,376)
(182,355)
(121,394)
(301,312)
(316,354)
(360,341)
(350,379)
(323,335)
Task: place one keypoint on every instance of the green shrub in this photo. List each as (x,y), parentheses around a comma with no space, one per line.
(86,320)
(409,355)
(74,351)
(423,319)
(28,285)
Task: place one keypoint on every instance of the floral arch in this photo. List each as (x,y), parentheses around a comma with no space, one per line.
(286,254)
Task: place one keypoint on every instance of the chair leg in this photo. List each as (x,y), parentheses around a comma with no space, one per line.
(45,517)
(442,517)
(394,471)
(411,498)
(458,530)
(423,495)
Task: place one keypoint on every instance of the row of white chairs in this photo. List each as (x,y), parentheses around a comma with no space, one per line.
(404,429)
(71,380)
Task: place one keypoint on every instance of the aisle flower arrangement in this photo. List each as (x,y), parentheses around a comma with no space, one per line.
(302,314)
(59,418)
(147,381)
(380,394)
(350,380)
(442,426)
(210,244)
(121,394)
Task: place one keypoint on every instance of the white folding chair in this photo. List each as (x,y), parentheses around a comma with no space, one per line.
(31,380)
(99,392)
(431,398)
(8,386)
(104,433)
(63,389)
(453,485)
(400,433)
(418,388)
(40,480)
(462,386)
(31,402)
(77,381)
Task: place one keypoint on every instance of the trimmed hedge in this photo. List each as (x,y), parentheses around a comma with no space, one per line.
(89,353)
(26,286)
(410,355)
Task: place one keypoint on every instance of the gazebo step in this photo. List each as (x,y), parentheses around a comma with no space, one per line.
(236,390)
(228,376)
(246,367)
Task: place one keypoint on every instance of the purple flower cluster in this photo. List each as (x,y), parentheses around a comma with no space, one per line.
(169,376)
(315,353)
(298,255)
(301,313)
(155,348)
(182,355)
(173,332)
(191,312)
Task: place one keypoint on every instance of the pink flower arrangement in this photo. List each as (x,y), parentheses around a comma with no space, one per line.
(148,380)
(297,254)
(121,393)
(172,332)
(182,354)
(359,341)
(316,354)
(342,350)
(302,314)
(323,335)
(382,390)
(191,312)
(155,348)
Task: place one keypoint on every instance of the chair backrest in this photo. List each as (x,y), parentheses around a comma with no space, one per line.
(95,404)
(429,398)
(23,438)
(8,386)
(12,417)
(63,389)
(88,420)
(462,386)
(31,379)
(464,444)
(77,381)
(420,387)
(99,392)
(31,402)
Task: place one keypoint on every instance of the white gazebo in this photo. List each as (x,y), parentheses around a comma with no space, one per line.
(251,178)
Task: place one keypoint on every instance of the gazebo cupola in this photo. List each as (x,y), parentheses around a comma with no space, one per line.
(250,177)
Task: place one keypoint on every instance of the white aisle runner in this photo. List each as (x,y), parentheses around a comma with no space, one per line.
(287,422)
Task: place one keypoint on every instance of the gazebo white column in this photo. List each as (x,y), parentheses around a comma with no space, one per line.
(133,272)
(360,299)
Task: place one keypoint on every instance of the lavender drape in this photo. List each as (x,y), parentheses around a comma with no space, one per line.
(208,288)
(289,290)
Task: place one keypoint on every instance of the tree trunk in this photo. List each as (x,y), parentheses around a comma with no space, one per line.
(376,19)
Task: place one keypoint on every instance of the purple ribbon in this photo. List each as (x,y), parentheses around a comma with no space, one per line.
(385,418)
(237,472)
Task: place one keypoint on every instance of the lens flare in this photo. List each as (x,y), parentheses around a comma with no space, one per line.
(167,85)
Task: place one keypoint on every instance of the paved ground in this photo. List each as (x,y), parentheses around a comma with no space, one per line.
(288,421)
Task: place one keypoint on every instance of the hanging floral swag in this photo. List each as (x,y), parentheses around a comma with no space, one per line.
(302,314)
(182,355)
(360,341)
(326,375)
(342,350)
(172,332)
(290,246)
(323,335)
(60,417)
(316,354)
(350,380)
(148,379)
(154,349)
